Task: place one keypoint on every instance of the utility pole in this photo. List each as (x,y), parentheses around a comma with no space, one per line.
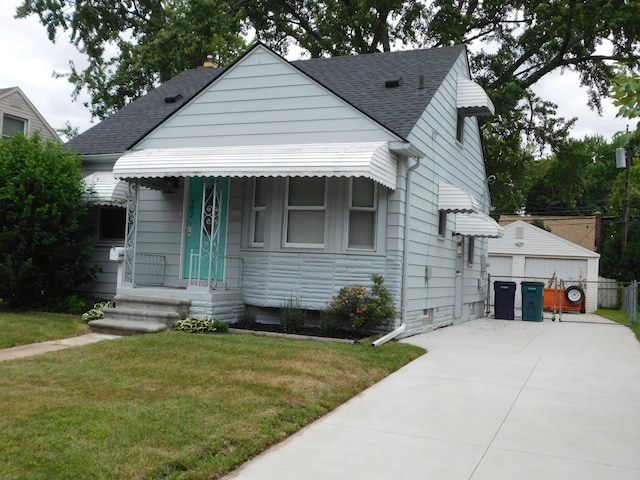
(627,187)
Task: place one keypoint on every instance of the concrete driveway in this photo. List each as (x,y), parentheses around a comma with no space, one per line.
(492,400)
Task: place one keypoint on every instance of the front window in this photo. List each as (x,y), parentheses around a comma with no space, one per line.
(258,212)
(305,212)
(362,213)
(112,223)
(11,125)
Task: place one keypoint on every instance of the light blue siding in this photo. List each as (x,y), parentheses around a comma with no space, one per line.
(262,100)
(430,300)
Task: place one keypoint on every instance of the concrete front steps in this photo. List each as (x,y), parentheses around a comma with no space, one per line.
(135,314)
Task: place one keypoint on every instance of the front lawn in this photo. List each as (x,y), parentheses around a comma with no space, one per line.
(31,327)
(173,405)
(620,316)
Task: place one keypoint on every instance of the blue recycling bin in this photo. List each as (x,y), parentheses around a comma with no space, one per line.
(504,299)
(532,301)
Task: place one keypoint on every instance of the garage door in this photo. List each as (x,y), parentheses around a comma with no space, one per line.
(564,269)
(500,267)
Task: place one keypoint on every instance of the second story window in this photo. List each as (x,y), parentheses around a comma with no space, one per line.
(11,125)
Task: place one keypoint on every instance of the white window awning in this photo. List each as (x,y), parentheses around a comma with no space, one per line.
(477,225)
(472,100)
(373,160)
(105,189)
(452,199)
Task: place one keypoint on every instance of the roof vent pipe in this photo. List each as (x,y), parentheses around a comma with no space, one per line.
(421,82)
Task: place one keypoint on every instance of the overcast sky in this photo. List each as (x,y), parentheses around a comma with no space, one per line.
(28,60)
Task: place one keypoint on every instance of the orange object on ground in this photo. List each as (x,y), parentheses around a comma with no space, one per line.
(554,298)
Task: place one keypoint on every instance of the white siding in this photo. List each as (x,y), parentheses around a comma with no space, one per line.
(462,165)
(262,100)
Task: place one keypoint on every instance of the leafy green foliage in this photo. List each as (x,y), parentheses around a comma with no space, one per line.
(363,309)
(292,315)
(96,313)
(133,45)
(43,252)
(201,325)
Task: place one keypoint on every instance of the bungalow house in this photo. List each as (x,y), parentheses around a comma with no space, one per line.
(273,179)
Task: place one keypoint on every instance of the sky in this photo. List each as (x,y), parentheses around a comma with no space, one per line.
(28,60)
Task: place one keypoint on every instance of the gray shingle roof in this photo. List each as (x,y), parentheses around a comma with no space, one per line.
(359,79)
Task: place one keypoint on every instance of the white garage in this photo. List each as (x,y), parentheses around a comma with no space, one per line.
(531,254)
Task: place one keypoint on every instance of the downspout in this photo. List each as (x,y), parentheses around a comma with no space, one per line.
(405,260)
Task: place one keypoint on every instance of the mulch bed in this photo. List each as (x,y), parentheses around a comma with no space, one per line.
(306,331)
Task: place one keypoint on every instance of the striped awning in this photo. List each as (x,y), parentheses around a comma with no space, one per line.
(452,199)
(102,188)
(372,160)
(472,100)
(477,225)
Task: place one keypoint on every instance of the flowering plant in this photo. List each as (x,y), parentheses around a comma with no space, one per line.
(363,309)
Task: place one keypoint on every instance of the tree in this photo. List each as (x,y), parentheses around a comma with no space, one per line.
(132,45)
(514,45)
(43,253)
(576,180)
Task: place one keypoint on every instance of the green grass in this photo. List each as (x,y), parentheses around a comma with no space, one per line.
(31,327)
(621,317)
(173,405)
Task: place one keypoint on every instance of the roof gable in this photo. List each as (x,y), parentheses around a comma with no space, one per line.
(260,100)
(10,94)
(360,80)
(522,238)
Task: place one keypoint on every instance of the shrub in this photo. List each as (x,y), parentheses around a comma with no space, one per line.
(292,316)
(330,323)
(361,309)
(43,250)
(201,325)
(247,318)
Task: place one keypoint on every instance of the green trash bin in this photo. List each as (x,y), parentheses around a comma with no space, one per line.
(532,301)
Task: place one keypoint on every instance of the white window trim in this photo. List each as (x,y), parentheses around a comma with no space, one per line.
(373,209)
(15,117)
(305,208)
(471,248)
(442,222)
(254,210)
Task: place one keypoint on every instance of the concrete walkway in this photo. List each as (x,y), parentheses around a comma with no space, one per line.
(51,346)
(492,400)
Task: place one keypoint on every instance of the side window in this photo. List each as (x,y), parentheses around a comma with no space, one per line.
(460,127)
(442,223)
(11,125)
(363,196)
(471,250)
(305,212)
(112,224)
(258,212)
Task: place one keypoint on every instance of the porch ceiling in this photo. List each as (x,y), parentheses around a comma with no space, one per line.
(373,160)
(477,225)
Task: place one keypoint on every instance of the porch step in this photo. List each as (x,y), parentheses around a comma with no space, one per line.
(134,314)
(125,327)
(174,304)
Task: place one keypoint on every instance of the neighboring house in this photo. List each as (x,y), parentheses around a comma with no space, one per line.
(271,180)
(17,114)
(585,231)
(531,254)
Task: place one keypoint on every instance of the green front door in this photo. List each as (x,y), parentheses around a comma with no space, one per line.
(206,231)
